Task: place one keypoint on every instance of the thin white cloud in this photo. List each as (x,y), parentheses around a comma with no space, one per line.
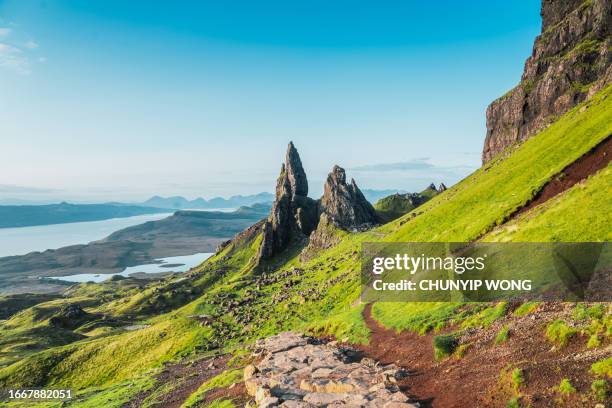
(31,45)
(5,31)
(13,59)
(416,164)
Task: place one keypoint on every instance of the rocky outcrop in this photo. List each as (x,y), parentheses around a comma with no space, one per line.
(294,215)
(569,63)
(69,317)
(442,188)
(345,204)
(298,371)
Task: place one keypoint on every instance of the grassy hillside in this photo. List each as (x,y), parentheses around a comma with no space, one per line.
(226,302)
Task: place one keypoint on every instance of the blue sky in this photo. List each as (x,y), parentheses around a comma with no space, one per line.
(120,100)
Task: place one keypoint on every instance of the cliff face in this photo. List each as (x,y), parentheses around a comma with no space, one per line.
(569,63)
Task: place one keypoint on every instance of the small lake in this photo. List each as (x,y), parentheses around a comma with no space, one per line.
(169,264)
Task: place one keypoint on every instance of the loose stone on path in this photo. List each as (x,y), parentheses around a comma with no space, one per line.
(296,371)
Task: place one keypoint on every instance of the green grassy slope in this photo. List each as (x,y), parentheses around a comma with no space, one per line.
(580,214)
(320,295)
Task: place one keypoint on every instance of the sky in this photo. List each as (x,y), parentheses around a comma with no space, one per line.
(120,100)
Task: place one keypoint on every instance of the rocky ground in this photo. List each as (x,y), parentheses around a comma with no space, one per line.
(299,371)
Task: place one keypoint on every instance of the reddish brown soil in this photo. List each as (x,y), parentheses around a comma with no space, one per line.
(474,380)
(188,377)
(587,165)
(237,394)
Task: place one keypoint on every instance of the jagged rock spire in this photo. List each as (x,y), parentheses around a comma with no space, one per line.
(344,203)
(295,172)
(442,188)
(293,215)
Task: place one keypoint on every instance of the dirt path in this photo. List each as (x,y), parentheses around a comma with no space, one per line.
(415,353)
(474,379)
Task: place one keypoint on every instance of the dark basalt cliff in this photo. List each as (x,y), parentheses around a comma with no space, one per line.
(570,62)
(294,216)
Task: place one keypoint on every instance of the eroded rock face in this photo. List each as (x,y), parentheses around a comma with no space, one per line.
(294,215)
(569,63)
(345,204)
(298,371)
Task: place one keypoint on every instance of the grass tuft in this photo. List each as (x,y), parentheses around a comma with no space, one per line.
(517,378)
(600,389)
(526,308)
(603,368)
(559,332)
(486,317)
(503,335)
(566,388)
(444,345)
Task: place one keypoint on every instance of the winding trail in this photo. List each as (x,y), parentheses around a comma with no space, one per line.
(445,384)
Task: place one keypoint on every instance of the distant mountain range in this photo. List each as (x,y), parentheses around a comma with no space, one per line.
(12,216)
(180,203)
